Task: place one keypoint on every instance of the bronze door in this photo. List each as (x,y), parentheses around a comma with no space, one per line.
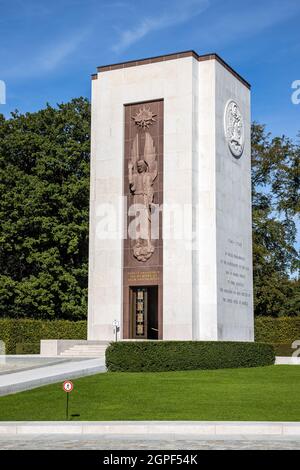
(144,312)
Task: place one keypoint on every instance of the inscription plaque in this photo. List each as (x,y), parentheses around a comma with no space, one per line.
(143,276)
(236,272)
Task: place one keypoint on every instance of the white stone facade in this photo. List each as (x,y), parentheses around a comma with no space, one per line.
(207,290)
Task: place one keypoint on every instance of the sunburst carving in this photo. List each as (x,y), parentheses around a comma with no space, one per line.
(144,117)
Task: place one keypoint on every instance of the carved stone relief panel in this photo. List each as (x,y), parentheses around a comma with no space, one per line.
(234,128)
(143,188)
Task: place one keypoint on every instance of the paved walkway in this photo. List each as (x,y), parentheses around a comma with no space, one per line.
(92,442)
(37,376)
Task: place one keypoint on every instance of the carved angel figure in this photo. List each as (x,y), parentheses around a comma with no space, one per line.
(142,173)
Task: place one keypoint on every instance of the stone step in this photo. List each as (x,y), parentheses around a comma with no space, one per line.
(88,345)
(70,354)
(70,351)
(85,350)
(86,354)
(79,348)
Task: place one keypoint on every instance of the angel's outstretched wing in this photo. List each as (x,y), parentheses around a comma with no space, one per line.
(135,150)
(150,155)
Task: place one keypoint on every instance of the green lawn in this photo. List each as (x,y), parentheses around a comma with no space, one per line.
(264,393)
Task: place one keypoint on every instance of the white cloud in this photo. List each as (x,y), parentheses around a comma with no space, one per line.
(254,18)
(49,57)
(175,13)
(55,55)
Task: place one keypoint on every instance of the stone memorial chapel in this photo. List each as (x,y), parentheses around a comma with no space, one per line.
(170,201)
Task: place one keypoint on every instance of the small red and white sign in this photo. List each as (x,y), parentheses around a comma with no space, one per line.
(68,386)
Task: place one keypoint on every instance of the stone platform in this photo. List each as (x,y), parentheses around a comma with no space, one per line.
(43,374)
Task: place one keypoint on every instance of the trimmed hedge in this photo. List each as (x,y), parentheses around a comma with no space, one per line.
(23,336)
(156,356)
(277,330)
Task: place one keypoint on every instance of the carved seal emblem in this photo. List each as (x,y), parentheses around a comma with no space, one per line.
(234,128)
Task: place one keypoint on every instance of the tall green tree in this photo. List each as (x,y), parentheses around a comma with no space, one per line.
(44,196)
(275,190)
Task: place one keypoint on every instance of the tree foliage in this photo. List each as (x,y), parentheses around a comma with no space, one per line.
(275,190)
(44,199)
(44,194)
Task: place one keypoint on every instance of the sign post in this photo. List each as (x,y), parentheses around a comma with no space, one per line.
(67,387)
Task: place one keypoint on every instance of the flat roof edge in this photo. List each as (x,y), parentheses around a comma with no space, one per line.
(177,55)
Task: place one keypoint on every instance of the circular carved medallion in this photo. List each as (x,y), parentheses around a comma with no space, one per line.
(234,128)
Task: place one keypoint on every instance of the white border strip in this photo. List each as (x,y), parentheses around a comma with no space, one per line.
(287,360)
(169,429)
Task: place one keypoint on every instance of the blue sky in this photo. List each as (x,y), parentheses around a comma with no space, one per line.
(49,49)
